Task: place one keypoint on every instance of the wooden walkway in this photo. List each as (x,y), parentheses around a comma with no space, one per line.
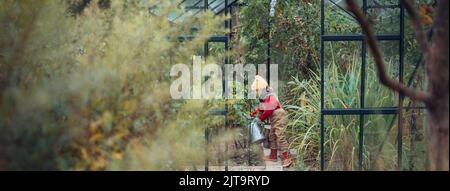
(269,166)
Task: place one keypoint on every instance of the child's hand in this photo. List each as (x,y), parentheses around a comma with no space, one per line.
(253,114)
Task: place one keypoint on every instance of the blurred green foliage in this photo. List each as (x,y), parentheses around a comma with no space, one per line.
(91,92)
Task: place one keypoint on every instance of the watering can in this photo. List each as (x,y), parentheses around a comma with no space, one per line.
(255,133)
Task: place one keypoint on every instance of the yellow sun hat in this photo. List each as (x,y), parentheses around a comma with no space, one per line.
(259,83)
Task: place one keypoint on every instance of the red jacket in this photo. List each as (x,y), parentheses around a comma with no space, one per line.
(266,107)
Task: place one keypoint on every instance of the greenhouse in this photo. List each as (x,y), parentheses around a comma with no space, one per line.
(224,85)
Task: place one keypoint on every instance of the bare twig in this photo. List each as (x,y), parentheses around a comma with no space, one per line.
(415,21)
(378,57)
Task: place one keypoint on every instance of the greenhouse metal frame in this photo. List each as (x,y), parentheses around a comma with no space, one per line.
(225,6)
(362,111)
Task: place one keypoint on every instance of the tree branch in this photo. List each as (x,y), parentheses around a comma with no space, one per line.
(378,57)
(415,21)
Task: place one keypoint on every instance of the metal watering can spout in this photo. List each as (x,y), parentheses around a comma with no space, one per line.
(255,133)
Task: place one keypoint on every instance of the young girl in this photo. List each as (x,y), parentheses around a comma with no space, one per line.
(270,108)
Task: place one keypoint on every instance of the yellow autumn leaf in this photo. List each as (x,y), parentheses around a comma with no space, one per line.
(107,117)
(98,164)
(84,154)
(424,13)
(96,137)
(117,155)
(121,134)
(129,105)
(93,126)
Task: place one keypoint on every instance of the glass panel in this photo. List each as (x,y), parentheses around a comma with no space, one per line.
(414,139)
(192,7)
(342,74)
(217,51)
(341,142)
(216,146)
(338,20)
(413,71)
(376,94)
(382,2)
(386,20)
(380,142)
(191,3)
